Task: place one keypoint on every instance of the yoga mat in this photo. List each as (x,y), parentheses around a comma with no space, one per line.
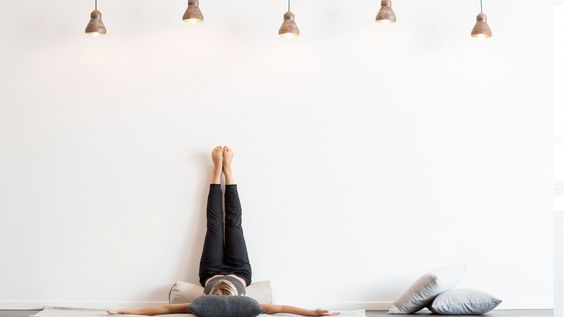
(83,312)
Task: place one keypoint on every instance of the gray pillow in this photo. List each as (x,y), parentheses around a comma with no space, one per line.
(463,302)
(225,306)
(427,287)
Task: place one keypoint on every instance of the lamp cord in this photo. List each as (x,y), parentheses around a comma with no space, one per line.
(95,4)
(288,5)
(481,7)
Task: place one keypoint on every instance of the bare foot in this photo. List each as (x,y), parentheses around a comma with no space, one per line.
(227,160)
(217,158)
(227,157)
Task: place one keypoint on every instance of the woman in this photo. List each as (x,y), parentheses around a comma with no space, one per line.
(224,267)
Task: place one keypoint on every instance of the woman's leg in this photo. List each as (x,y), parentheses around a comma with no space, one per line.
(211,261)
(235,252)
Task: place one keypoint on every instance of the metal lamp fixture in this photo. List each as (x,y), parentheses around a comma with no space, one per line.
(386,15)
(289,28)
(95,26)
(193,14)
(481,28)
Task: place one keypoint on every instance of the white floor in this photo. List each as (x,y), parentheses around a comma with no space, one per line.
(499,313)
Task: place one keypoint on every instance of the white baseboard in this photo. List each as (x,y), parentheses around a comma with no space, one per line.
(336,305)
(527,304)
(40,304)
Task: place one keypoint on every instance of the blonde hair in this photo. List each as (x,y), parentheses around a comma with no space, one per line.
(224,287)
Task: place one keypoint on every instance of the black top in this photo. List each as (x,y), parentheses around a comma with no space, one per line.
(235,281)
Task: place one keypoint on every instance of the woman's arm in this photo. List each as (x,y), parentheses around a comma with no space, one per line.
(155,310)
(274,309)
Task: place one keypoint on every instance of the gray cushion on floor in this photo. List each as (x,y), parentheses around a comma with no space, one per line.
(225,306)
(463,302)
(426,288)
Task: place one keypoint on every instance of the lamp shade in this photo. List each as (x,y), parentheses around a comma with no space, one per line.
(193,13)
(481,28)
(95,27)
(289,28)
(386,15)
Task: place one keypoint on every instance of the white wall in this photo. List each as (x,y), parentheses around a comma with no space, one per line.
(366,155)
(559,158)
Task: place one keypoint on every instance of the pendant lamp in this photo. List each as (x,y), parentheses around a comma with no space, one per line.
(481,28)
(193,14)
(386,15)
(95,27)
(289,28)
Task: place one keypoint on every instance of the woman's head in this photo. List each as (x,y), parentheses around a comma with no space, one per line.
(224,287)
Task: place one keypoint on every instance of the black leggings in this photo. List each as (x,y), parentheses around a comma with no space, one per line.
(229,256)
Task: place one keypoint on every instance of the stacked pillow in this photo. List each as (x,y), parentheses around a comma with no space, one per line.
(184,292)
(463,302)
(434,291)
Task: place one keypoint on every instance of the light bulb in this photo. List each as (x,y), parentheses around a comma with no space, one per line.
(289,36)
(194,21)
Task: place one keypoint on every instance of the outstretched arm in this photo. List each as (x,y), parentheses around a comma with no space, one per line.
(155,310)
(274,309)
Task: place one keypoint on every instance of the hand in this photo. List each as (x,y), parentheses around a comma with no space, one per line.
(325,312)
(113,312)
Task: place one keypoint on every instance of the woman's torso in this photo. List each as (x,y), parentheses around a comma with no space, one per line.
(238,282)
